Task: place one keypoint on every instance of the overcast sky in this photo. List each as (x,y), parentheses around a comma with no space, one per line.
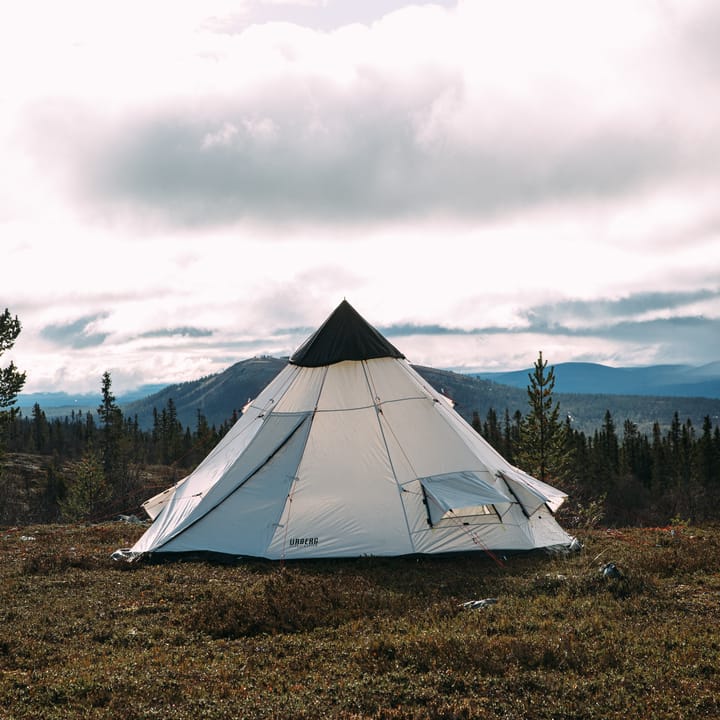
(189,184)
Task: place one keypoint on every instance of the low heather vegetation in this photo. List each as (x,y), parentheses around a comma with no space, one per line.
(87,637)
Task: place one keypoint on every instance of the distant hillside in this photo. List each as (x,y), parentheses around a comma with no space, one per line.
(217,396)
(587,411)
(656,380)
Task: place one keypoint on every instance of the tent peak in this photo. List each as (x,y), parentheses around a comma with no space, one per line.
(345,335)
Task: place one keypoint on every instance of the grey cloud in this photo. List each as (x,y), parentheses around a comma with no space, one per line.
(676,329)
(365,167)
(604,311)
(400,144)
(409,329)
(313,153)
(293,331)
(681,337)
(75,334)
(702,331)
(353,167)
(174,332)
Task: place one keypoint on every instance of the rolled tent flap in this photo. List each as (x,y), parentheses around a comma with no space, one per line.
(462,493)
(155,504)
(532,493)
(555,497)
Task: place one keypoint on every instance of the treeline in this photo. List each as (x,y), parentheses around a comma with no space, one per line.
(627,477)
(98,463)
(168,442)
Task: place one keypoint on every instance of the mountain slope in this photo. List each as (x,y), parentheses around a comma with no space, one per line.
(216,396)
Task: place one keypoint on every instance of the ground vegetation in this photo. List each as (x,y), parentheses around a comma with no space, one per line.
(559,637)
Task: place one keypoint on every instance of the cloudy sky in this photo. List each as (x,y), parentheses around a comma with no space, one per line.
(189,184)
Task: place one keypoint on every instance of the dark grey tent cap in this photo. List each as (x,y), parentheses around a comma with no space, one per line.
(345,335)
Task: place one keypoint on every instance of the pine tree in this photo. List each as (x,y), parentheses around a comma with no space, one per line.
(607,453)
(635,454)
(204,439)
(169,433)
(660,460)
(87,490)
(12,380)
(41,432)
(11,383)
(543,448)
(114,460)
(492,431)
(707,458)
(54,491)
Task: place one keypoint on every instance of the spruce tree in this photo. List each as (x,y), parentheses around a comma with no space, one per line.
(707,458)
(607,454)
(543,448)
(41,430)
(113,456)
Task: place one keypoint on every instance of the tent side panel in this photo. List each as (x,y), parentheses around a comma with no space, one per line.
(246,521)
(345,501)
(216,479)
(430,443)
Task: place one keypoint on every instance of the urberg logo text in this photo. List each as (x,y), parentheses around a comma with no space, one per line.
(303,541)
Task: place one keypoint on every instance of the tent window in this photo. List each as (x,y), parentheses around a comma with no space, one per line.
(458,496)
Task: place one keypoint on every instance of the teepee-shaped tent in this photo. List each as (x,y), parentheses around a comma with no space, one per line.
(349,452)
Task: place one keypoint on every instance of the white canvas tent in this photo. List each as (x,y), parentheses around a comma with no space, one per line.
(349,452)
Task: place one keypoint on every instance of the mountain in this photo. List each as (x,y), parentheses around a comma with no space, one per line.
(218,396)
(592,378)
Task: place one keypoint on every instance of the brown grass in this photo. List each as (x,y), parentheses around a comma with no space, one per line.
(84,636)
